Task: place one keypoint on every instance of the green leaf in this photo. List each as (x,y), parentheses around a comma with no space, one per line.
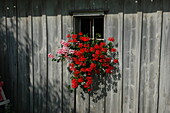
(98,35)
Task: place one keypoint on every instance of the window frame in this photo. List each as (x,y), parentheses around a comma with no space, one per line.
(92,15)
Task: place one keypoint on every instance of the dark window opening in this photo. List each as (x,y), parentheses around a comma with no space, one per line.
(90,26)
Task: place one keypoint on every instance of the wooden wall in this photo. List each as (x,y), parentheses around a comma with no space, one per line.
(31,29)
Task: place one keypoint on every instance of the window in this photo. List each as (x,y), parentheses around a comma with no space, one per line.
(90,25)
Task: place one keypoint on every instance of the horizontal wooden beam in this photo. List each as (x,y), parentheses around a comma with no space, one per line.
(97,12)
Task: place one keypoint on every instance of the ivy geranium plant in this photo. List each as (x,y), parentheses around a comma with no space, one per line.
(86,58)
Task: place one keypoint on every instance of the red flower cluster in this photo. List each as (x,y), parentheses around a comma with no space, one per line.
(90,57)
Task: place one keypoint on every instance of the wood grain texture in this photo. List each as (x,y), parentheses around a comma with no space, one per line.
(25,67)
(11,60)
(67,6)
(131,56)
(151,38)
(68,97)
(98,4)
(39,56)
(36,84)
(164,87)
(54,69)
(82,4)
(97,98)
(113,28)
(82,99)
(3,42)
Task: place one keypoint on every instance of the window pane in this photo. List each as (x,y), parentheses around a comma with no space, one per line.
(98,26)
(85,26)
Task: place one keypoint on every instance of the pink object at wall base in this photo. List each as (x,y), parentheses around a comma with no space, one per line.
(1,84)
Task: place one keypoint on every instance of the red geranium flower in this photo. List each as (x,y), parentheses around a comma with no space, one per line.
(92,66)
(102,44)
(80,80)
(108,59)
(71,64)
(68,36)
(113,50)
(115,60)
(102,56)
(100,60)
(89,82)
(74,35)
(73,40)
(97,71)
(96,46)
(88,69)
(85,39)
(80,45)
(89,78)
(104,49)
(111,39)
(82,59)
(108,71)
(80,33)
(74,83)
(76,72)
(87,59)
(92,49)
(98,52)
(89,89)
(83,69)
(86,45)
(86,86)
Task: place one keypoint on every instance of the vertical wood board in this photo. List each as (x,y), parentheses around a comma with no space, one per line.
(39,56)
(11,69)
(150,61)
(68,97)
(113,28)
(54,69)
(164,87)
(3,42)
(25,71)
(131,54)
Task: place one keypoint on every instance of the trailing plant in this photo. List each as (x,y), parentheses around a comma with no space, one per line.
(87,58)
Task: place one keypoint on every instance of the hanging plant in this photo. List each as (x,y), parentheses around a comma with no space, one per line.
(87,58)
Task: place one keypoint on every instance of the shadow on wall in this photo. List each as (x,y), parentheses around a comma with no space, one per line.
(8,59)
(27,90)
(12,58)
(102,84)
(3,48)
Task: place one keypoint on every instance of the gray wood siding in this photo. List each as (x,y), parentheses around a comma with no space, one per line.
(29,30)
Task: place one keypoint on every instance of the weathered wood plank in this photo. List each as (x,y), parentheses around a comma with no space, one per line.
(3,42)
(97,96)
(82,4)
(164,88)
(98,4)
(114,28)
(54,69)
(67,6)
(82,101)
(25,71)
(11,69)
(39,56)
(131,54)
(68,97)
(151,37)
